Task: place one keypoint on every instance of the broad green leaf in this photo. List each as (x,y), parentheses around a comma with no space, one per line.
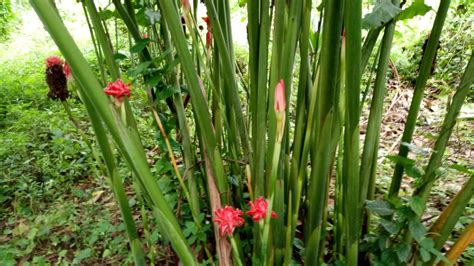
(119,57)
(427,243)
(413,171)
(417,205)
(168,92)
(152,82)
(140,69)
(390,226)
(417,229)
(461,169)
(83,254)
(379,207)
(425,255)
(142,18)
(106,14)
(418,8)
(139,46)
(383,12)
(400,160)
(403,251)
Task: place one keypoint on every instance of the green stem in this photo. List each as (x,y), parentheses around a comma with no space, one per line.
(127,141)
(421,80)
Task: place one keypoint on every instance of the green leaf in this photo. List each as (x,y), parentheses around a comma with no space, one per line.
(417,229)
(152,82)
(379,207)
(427,243)
(413,171)
(169,91)
(119,57)
(139,46)
(62,253)
(390,226)
(403,251)
(83,254)
(401,160)
(140,69)
(418,8)
(461,169)
(425,255)
(383,12)
(106,14)
(417,205)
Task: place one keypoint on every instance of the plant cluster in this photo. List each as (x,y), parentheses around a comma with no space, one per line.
(305,159)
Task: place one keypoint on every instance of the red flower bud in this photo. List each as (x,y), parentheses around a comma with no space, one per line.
(228,218)
(209,32)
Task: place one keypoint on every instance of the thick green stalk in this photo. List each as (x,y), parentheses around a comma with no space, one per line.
(464,240)
(115,182)
(197,98)
(320,132)
(442,228)
(127,142)
(259,103)
(184,130)
(376,111)
(107,49)
(228,70)
(353,24)
(291,37)
(430,175)
(97,50)
(369,44)
(275,66)
(102,39)
(421,80)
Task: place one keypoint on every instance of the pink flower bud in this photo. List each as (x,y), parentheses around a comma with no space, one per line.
(185,4)
(280,99)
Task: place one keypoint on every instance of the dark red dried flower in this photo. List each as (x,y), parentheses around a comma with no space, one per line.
(56,79)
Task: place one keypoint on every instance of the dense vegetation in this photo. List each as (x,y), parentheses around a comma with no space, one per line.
(59,202)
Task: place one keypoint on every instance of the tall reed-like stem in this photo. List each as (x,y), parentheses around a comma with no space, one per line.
(127,142)
(421,80)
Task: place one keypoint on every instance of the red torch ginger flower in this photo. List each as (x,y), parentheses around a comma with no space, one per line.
(67,71)
(53,61)
(258,209)
(119,90)
(209,33)
(228,218)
